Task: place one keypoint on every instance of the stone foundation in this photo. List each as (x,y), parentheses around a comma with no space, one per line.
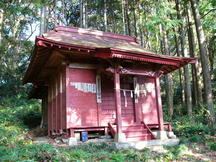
(120,137)
(162,135)
(139,145)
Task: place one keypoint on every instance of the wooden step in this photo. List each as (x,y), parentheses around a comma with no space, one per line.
(139,138)
(132,127)
(135,130)
(134,124)
(136,133)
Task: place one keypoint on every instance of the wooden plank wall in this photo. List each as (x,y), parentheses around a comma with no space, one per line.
(108,112)
(146,103)
(57,103)
(81,105)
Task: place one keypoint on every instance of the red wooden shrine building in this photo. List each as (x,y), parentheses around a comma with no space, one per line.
(90,80)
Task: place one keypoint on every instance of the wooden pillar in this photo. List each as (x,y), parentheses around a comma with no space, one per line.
(136,103)
(159,104)
(44,121)
(99,100)
(120,136)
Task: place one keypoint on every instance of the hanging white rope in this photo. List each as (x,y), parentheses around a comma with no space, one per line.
(125,97)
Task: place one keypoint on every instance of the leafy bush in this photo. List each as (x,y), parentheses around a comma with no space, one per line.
(195,138)
(31,118)
(186,127)
(15,119)
(117,157)
(211,145)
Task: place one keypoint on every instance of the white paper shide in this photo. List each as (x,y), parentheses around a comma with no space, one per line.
(84,87)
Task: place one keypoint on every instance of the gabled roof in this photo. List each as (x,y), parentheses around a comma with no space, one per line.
(93,38)
(97,44)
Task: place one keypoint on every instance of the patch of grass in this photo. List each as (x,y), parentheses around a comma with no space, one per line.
(16,146)
(211,145)
(195,138)
(117,157)
(174,152)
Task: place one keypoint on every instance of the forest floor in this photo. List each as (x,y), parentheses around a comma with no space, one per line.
(201,152)
(192,151)
(17,143)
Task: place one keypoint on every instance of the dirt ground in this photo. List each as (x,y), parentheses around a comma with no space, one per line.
(196,151)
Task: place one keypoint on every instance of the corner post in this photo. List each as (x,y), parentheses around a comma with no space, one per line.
(162,133)
(120,137)
(159,104)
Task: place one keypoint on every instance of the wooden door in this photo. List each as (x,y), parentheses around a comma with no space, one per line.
(81,98)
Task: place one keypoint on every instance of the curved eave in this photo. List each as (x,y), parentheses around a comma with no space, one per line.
(47,43)
(172,63)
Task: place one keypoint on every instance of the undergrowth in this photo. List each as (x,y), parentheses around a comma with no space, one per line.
(18,116)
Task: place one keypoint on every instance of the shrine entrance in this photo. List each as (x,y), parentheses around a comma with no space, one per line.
(127,100)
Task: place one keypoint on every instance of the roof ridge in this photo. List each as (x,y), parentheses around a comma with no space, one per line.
(95,32)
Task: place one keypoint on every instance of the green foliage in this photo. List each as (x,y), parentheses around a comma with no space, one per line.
(17,114)
(211,145)
(190,126)
(16,146)
(195,138)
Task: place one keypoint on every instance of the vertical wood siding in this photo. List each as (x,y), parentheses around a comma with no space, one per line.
(56,103)
(81,106)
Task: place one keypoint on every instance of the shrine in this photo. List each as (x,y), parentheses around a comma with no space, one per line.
(91,80)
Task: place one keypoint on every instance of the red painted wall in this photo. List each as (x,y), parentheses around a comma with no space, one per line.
(146,103)
(108,113)
(68,106)
(57,102)
(81,106)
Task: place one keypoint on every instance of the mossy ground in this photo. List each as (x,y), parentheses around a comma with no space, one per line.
(16,145)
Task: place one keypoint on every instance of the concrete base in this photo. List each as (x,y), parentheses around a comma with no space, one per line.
(120,138)
(171,135)
(143,144)
(72,141)
(162,135)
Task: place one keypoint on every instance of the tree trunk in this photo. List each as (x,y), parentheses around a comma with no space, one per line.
(135,21)
(141,37)
(81,13)
(62,21)
(179,71)
(184,51)
(105,16)
(204,60)
(127,19)
(212,51)
(85,23)
(1,23)
(168,77)
(124,18)
(197,91)
(43,21)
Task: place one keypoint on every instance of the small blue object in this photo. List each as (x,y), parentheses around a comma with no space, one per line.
(84,136)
